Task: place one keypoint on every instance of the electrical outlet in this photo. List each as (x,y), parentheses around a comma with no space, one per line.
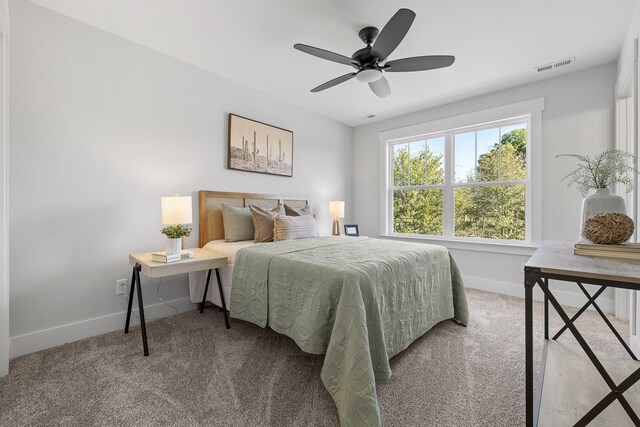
(121,287)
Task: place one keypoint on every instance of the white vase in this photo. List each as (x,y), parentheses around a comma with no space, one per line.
(174,246)
(601,201)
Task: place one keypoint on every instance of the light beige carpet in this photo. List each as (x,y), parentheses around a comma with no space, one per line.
(199,373)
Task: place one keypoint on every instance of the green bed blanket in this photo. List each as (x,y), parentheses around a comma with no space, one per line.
(360,301)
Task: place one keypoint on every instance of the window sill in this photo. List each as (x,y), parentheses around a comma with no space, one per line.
(509,248)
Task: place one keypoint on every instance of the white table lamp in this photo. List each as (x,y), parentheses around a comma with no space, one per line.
(176,210)
(336,210)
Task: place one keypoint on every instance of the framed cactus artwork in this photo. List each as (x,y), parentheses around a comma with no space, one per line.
(259,147)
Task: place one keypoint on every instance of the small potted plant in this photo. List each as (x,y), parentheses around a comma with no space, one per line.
(600,173)
(174,234)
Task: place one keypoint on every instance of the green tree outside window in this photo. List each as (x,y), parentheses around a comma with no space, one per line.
(492,211)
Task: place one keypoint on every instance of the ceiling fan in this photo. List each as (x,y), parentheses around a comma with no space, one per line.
(371,61)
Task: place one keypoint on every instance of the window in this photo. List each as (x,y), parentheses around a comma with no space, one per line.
(467,183)
(418,182)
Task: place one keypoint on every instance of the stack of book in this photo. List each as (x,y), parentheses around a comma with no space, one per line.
(163,257)
(620,251)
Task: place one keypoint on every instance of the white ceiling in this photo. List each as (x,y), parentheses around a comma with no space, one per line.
(496,43)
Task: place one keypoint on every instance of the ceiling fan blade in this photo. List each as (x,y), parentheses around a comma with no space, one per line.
(381,87)
(334,82)
(325,54)
(393,33)
(419,63)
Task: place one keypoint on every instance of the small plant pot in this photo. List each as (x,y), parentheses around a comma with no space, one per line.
(174,246)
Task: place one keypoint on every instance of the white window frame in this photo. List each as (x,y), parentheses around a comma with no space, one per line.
(492,117)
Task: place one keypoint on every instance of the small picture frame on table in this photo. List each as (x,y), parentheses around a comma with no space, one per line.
(351,230)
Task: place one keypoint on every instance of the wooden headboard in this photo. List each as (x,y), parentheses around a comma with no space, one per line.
(210,202)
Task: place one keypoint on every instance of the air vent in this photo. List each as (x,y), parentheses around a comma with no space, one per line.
(557,64)
(544,68)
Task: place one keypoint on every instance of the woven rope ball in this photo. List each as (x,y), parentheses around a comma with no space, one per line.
(608,228)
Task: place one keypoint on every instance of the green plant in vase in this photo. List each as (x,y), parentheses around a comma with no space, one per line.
(600,173)
(176,231)
(174,234)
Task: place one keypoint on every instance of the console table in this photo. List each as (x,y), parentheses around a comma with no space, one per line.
(600,385)
(202,260)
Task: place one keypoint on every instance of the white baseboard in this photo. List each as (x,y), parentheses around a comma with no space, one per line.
(58,335)
(517,290)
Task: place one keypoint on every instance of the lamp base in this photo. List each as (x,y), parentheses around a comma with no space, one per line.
(336,227)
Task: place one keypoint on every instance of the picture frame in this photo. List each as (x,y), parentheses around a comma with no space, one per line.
(351,230)
(258,147)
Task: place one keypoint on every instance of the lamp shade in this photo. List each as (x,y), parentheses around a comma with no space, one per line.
(176,210)
(336,209)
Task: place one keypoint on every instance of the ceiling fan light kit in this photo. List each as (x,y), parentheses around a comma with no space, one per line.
(369,75)
(371,61)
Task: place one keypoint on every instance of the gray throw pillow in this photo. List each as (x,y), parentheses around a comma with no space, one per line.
(294,227)
(263,222)
(291,211)
(238,224)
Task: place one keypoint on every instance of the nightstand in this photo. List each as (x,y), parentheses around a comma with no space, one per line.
(202,260)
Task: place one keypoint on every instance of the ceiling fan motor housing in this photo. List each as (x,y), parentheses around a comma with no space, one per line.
(364,57)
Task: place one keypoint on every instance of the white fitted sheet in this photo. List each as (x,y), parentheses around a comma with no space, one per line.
(227,249)
(198,280)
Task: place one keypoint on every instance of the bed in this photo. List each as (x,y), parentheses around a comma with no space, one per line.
(359,301)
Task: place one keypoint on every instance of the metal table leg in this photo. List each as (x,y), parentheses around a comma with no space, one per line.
(224,306)
(129,306)
(206,289)
(529,283)
(143,325)
(136,285)
(546,313)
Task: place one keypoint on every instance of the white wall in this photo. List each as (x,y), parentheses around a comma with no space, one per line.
(624,81)
(578,117)
(4,187)
(625,60)
(101,129)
